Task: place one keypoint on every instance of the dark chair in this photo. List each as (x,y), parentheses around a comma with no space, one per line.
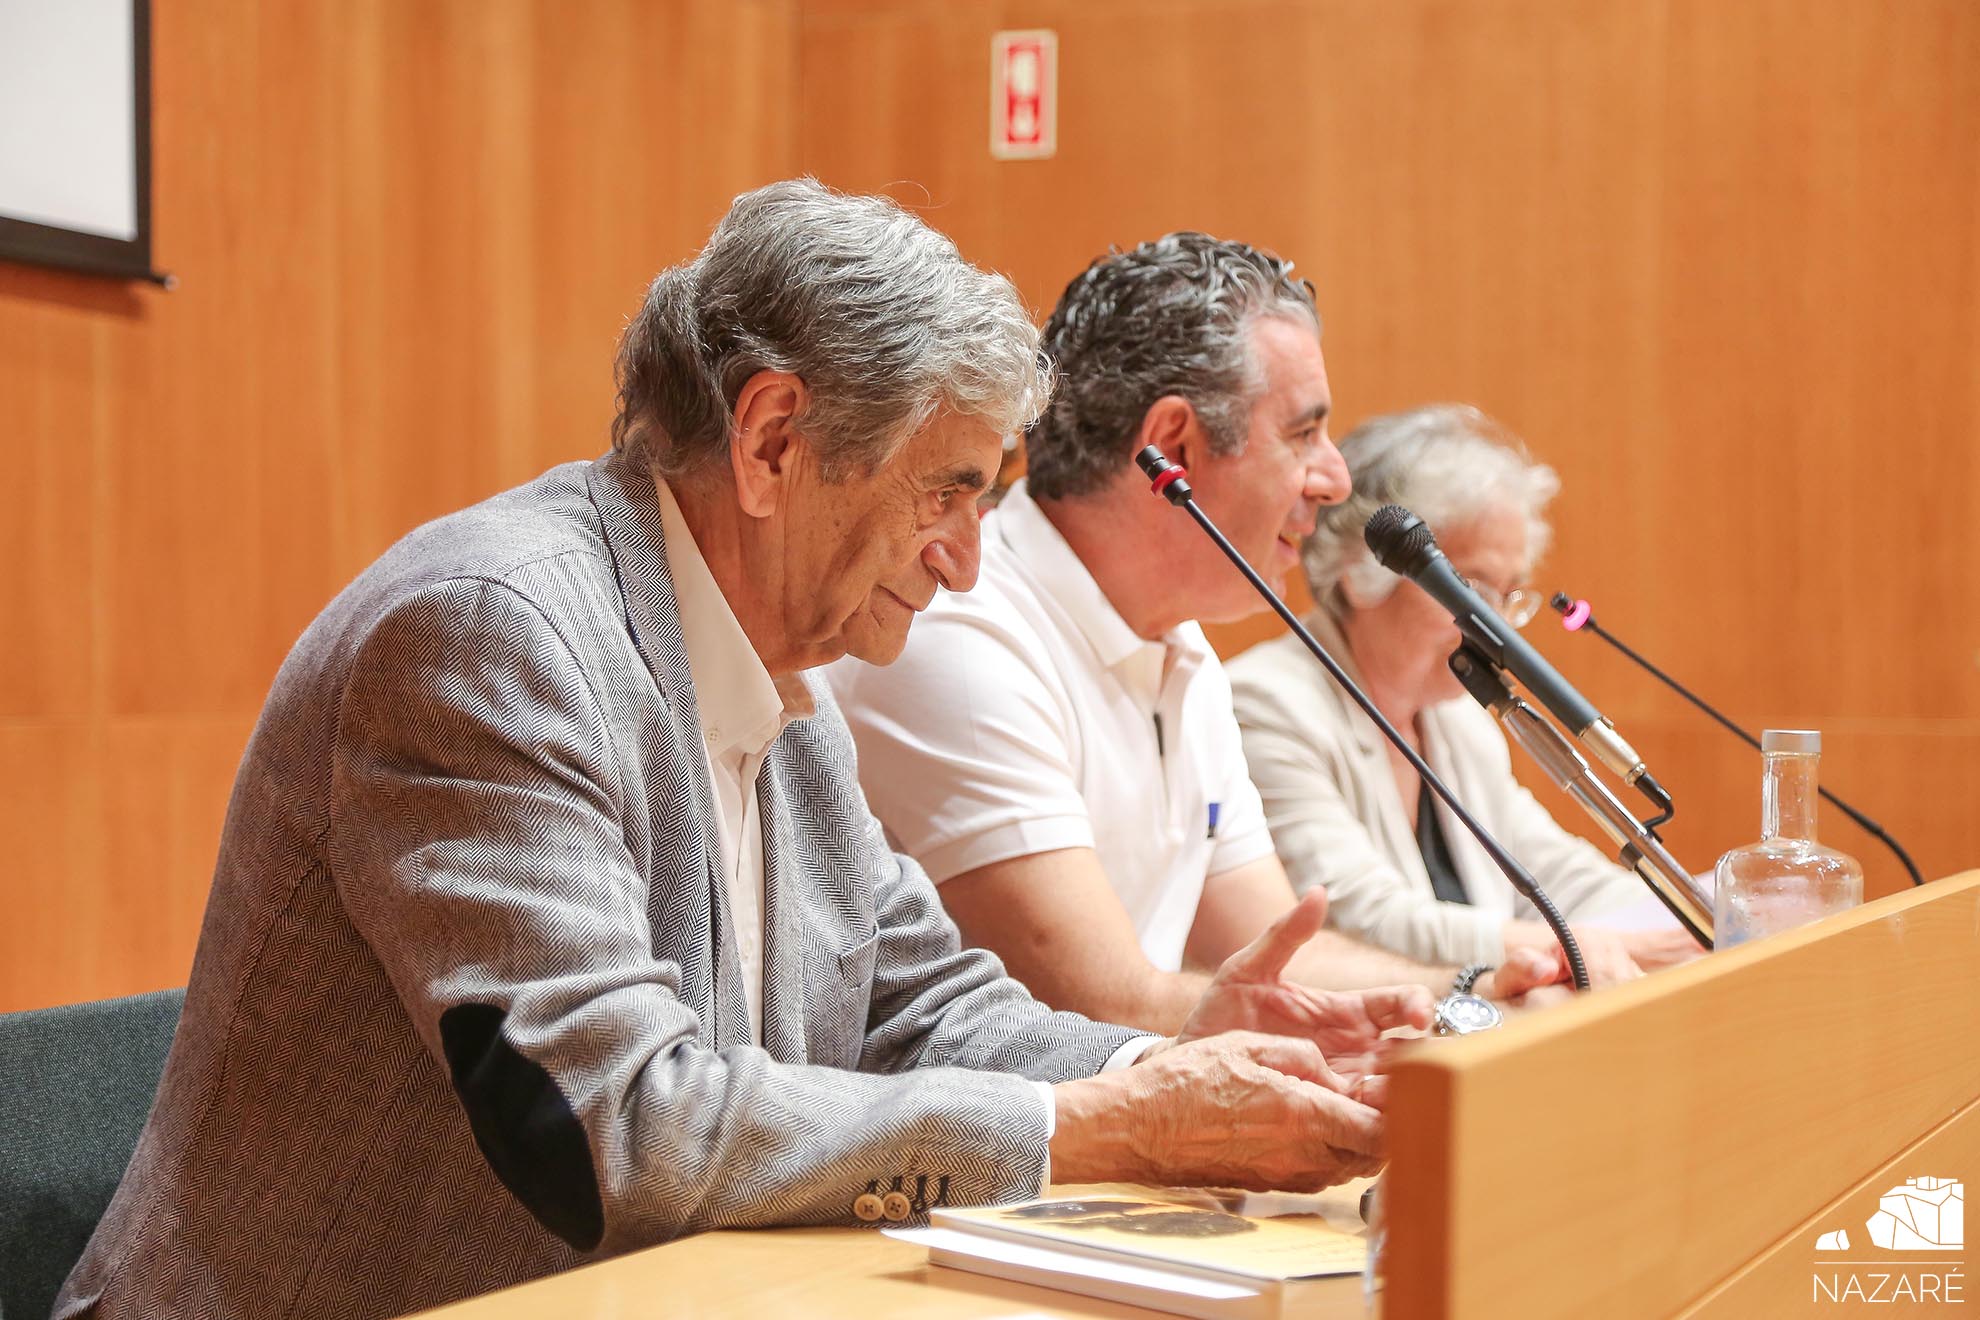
(76,1084)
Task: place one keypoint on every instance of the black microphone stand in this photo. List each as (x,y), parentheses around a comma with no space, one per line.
(1169,480)
(1568,609)
(1638,846)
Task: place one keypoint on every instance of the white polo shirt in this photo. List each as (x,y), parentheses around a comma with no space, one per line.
(1026,716)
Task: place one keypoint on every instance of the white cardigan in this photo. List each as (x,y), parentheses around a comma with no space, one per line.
(1323,770)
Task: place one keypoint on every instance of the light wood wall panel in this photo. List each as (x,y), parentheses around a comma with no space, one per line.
(1719,264)
(406,233)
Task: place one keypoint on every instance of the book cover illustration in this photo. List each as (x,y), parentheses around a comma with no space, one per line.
(1274,1237)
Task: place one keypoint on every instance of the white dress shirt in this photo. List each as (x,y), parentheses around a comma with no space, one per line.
(1026,716)
(743,709)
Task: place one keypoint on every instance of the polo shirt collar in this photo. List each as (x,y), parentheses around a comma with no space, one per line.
(1033,538)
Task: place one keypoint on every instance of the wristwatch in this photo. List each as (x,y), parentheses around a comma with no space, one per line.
(1460,1013)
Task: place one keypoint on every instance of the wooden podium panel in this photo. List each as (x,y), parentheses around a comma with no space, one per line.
(1791,1278)
(1674,1146)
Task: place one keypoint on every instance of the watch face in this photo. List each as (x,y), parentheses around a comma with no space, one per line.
(1460,1015)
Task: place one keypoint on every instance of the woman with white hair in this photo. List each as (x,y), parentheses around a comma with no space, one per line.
(1346,809)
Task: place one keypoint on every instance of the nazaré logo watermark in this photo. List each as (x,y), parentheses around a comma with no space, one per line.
(1920,1215)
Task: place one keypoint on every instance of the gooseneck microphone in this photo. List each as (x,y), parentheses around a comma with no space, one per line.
(1170,481)
(1578,616)
(1490,649)
(1403,544)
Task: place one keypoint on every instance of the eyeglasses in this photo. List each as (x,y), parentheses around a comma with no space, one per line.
(1516,607)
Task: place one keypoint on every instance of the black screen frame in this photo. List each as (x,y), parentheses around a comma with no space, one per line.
(98,254)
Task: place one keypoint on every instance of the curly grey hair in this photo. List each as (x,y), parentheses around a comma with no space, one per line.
(1447,463)
(877,313)
(1170,317)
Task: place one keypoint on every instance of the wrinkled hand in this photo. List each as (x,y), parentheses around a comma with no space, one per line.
(1606,957)
(1543,996)
(1528,977)
(1661,948)
(1603,952)
(1249,993)
(1537,977)
(1235,1110)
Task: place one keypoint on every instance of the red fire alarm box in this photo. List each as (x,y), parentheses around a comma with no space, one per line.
(1024,94)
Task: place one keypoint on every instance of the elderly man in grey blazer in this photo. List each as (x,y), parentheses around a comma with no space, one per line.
(549,920)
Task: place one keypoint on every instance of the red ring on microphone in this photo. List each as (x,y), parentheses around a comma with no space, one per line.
(1174,472)
(1578,614)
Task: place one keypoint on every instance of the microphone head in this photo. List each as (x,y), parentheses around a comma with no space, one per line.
(1401,541)
(1169,480)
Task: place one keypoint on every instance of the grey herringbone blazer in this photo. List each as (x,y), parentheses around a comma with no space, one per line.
(466,1009)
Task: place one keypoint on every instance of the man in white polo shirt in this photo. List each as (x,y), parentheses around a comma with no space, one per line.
(1057,747)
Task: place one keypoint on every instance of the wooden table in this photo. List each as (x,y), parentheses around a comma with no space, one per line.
(801,1273)
(1670,1147)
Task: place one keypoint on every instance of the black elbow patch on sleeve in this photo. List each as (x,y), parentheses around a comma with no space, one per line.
(525,1127)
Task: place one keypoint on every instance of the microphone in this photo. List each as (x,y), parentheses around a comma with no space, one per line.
(1404,544)
(1577,616)
(1170,481)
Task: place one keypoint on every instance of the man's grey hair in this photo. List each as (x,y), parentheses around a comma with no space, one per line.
(875,312)
(1448,464)
(1170,317)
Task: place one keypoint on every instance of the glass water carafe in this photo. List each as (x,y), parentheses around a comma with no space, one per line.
(1787,879)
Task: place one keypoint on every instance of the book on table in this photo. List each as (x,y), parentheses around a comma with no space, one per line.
(1217,1255)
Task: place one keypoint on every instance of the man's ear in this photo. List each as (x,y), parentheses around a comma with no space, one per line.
(764,446)
(1171,425)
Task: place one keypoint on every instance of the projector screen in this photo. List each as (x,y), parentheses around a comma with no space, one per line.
(75,139)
